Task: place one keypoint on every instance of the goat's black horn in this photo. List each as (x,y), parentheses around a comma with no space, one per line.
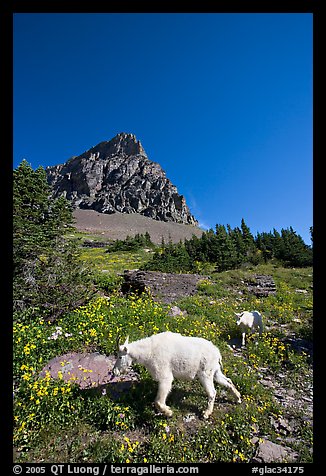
(118,341)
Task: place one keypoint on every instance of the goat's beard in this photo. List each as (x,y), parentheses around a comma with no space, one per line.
(119,371)
(116,372)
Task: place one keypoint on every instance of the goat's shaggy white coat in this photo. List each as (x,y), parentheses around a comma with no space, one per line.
(249,322)
(170,355)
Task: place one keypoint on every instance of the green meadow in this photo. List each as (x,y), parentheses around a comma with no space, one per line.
(56,421)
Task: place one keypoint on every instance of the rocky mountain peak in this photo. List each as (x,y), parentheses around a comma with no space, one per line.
(117,176)
(123,144)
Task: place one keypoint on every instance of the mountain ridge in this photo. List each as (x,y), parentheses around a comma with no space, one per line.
(117,176)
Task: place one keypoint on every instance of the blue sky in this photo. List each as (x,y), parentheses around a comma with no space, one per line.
(223,102)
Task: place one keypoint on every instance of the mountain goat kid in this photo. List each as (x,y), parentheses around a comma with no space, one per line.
(169,355)
(249,321)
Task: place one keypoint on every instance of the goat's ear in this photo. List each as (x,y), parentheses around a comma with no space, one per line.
(126,341)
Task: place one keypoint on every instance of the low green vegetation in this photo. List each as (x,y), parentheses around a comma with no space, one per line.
(114,262)
(132,243)
(128,429)
(56,421)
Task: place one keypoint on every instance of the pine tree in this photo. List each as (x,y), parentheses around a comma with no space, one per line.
(311,230)
(238,245)
(294,251)
(287,247)
(148,241)
(30,209)
(222,248)
(248,240)
(265,243)
(46,271)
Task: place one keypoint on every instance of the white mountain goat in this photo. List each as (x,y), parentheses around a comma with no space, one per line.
(169,355)
(249,322)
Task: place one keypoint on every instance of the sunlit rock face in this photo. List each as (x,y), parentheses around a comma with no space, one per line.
(117,176)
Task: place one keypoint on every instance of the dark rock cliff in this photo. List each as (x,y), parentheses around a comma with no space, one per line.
(117,176)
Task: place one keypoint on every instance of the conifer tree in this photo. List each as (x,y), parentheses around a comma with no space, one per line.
(294,251)
(248,239)
(46,271)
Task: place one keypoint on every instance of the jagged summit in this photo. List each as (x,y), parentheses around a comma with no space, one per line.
(123,143)
(117,176)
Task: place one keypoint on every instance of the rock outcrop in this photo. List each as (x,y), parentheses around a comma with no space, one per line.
(269,452)
(164,287)
(261,285)
(117,176)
